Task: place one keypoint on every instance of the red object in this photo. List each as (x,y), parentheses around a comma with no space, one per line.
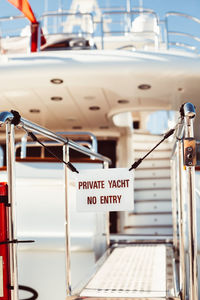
(34,37)
(4,248)
(25,8)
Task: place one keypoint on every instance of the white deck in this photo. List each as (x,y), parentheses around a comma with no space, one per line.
(131,271)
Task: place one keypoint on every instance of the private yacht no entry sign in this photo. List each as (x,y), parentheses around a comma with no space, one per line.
(105,190)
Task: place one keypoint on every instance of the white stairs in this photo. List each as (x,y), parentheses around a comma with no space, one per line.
(152,216)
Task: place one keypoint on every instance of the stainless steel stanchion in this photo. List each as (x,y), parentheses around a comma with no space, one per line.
(189,162)
(105,166)
(10,142)
(67,220)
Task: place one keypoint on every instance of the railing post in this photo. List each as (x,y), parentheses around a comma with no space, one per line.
(166,33)
(174,202)
(189,157)
(10,142)
(105,166)
(182,217)
(67,222)
(180,196)
(102,33)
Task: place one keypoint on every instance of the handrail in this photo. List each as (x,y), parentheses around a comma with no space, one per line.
(183,45)
(127,26)
(23,144)
(196,38)
(67,14)
(10,18)
(83,133)
(174,13)
(188,35)
(46,143)
(27,125)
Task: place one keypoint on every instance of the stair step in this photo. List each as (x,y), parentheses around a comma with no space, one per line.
(155,163)
(149,145)
(152,194)
(152,183)
(147,137)
(149,231)
(158,173)
(150,220)
(155,154)
(153,206)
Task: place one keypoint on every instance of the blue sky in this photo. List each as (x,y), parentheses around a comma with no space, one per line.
(187,6)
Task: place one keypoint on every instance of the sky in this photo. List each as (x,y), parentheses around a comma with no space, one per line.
(186,6)
(191,7)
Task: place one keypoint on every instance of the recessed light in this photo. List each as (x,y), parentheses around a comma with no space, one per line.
(34,111)
(89,97)
(103,127)
(94,107)
(56,98)
(123,101)
(56,81)
(71,119)
(144,86)
(77,127)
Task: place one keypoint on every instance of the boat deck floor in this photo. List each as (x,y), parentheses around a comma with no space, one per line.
(134,271)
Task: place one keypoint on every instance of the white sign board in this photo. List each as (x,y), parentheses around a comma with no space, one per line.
(105,190)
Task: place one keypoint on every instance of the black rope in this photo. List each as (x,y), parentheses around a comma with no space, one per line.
(30,290)
(138,162)
(68,164)
(15,241)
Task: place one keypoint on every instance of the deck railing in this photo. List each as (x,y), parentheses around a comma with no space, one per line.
(189,37)
(24,144)
(108,24)
(54,23)
(9,119)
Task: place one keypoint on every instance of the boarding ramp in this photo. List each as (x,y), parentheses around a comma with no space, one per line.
(136,269)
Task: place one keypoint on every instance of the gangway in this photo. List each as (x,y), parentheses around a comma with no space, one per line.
(131,269)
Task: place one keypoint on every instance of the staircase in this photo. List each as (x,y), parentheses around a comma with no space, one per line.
(152,215)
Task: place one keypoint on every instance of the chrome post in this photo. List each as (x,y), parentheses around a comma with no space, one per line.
(189,114)
(67,222)
(23,146)
(181,220)
(102,33)
(174,202)
(105,166)
(10,142)
(166,33)
(1,156)
(128,15)
(179,176)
